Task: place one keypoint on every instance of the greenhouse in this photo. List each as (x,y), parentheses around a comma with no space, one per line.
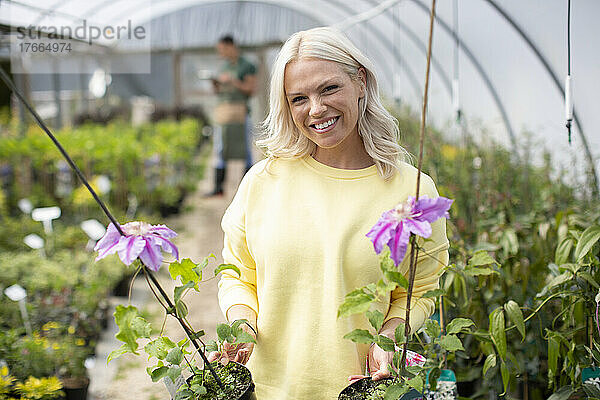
(259,199)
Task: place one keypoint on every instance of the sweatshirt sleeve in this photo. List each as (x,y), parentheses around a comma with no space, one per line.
(430,262)
(234,289)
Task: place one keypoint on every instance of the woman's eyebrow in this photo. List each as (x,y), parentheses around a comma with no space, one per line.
(328,82)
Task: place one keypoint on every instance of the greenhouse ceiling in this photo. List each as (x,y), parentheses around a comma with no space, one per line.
(501,63)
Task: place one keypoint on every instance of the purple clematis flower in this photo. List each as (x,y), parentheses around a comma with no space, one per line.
(141,240)
(395,226)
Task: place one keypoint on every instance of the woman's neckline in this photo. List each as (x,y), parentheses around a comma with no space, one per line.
(334,172)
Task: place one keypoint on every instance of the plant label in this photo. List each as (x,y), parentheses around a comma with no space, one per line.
(93,228)
(45,215)
(34,241)
(103,184)
(15,293)
(25,206)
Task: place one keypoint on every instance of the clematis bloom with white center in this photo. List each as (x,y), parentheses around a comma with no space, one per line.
(141,240)
(395,226)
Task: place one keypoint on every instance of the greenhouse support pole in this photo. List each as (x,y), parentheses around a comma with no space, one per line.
(56,93)
(554,77)
(177,97)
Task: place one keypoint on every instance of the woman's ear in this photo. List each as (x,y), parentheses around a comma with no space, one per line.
(362,79)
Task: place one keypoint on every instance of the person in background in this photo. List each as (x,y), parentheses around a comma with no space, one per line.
(297,226)
(234,85)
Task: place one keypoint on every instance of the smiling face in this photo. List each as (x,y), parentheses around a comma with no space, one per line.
(323,100)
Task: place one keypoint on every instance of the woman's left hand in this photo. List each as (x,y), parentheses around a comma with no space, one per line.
(378,364)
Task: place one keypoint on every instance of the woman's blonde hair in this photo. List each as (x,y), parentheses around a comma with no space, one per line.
(377,127)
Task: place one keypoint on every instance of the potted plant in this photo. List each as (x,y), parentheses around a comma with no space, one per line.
(72,371)
(141,244)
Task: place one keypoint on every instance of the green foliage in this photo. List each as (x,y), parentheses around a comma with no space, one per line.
(40,388)
(131,328)
(155,163)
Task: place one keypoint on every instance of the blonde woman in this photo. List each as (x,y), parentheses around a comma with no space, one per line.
(296,227)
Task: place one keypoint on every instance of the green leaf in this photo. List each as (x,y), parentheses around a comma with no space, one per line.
(159,347)
(396,277)
(198,389)
(516,316)
(432,378)
(458,324)
(184,394)
(174,373)
(505,375)
(564,393)
(179,291)
(244,337)
(509,241)
(175,356)
(355,305)
(385,343)
(376,319)
(360,336)
(588,238)
(223,332)
(399,333)
(480,271)
(553,349)
(563,250)
(490,362)
(432,328)
(395,391)
(450,343)
(224,267)
(560,279)
(118,352)
(159,373)
(434,293)
(235,326)
(497,326)
(204,264)
(131,327)
(186,269)
(480,258)
(416,383)
(212,346)
(384,288)
(586,275)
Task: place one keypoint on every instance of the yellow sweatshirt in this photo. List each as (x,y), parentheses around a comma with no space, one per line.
(296,229)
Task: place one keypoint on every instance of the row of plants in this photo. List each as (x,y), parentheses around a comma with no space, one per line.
(148,168)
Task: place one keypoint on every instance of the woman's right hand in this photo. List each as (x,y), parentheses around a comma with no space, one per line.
(232,352)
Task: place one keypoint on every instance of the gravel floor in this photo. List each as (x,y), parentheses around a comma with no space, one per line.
(200,234)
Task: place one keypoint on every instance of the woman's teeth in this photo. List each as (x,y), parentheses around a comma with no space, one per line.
(326,124)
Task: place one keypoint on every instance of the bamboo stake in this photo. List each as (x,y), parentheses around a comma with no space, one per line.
(413,243)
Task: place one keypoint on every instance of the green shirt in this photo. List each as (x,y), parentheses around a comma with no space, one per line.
(239,70)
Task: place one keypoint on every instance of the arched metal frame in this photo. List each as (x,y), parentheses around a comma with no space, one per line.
(337,4)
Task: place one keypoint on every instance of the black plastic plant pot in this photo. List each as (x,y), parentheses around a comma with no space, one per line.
(366,388)
(241,387)
(76,389)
